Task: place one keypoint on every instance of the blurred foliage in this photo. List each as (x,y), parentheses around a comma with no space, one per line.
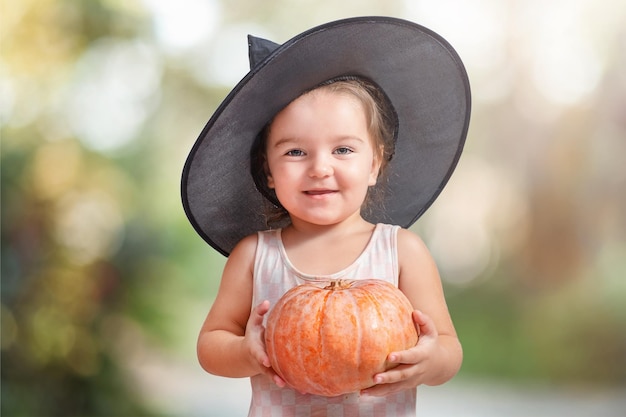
(100,267)
(563,338)
(92,244)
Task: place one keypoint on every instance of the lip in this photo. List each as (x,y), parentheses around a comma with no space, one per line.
(319,192)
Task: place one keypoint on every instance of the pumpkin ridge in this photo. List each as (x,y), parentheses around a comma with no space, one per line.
(286,321)
(326,322)
(346,316)
(290,317)
(388,314)
(358,325)
(374,305)
(299,330)
(270,329)
(332,340)
(317,330)
(391,315)
(318,308)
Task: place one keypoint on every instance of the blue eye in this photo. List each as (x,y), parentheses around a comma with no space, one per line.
(295,152)
(344,150)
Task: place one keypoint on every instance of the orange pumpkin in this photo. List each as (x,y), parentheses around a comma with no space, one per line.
(332,340)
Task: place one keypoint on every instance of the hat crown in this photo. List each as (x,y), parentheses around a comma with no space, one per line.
(259,49)
(420,73)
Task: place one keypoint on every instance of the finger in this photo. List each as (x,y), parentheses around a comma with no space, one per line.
(383,389)
(279,381)
(265,361)
(258,352)
(377,391)
(425,325)
(409,357)
(397,374)
(272,375)
(256,318)
(263,308)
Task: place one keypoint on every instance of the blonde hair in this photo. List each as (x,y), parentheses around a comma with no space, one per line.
(378,112)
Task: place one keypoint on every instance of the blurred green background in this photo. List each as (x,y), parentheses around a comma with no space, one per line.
(105,284)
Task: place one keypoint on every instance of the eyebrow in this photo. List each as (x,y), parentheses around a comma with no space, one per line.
(283,141)
(339,139)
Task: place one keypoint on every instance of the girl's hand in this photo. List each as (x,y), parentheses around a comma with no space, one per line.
(255,342)
(413,364)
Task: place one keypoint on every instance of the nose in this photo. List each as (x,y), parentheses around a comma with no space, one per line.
(321,167)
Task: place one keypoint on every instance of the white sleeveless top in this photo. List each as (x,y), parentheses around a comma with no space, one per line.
(274,275)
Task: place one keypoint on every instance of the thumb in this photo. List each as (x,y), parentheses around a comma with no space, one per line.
(424,324)
(263,308)
(256,318)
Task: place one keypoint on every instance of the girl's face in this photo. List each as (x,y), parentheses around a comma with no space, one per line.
(320,157)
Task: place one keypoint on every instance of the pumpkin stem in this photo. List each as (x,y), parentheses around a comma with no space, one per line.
(338,284)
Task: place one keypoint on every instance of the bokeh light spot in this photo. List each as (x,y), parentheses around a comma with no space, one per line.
(116,87)
(89,225)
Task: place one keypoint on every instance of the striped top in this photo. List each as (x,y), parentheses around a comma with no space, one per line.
(378,260)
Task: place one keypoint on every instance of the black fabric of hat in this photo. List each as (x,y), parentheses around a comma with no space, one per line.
(420,73)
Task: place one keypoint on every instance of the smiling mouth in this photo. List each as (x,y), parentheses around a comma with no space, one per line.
(319,192)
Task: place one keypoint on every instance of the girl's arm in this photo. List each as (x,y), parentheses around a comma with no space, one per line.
(231,339)
(438,354)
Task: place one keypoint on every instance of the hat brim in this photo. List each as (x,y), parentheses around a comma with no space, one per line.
(418,70)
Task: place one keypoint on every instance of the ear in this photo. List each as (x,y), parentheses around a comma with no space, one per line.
(270,178)
(375,171)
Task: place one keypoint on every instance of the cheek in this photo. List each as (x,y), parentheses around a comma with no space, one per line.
(277,176)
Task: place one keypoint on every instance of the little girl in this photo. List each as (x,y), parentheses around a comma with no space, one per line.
(322,161)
